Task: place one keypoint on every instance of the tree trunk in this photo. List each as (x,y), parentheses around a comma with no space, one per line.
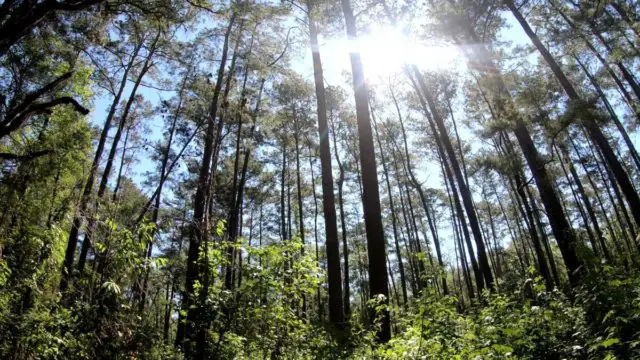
(114,196)
(589,123)
(585,200)
(465,193)
(86,243)
(336,315)
(557,219)
(371,204)
(158,199)
(612,114)
(315,227)
(394,225)
(192,329)
(416,184)
(224,108)
(283,208)
(78,219)
(23,18)
(346,302)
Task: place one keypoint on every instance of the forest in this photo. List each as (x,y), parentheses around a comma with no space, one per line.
(319,179)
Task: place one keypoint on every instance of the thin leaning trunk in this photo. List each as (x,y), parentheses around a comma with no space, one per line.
(594,131)
(238,198)
(158,199)
(465,193)
(403,281)
(557,219)
(446,172)
(190,328)
(585,200)
(416,184)
(78,219)
(623,132)
(106,173)
(346,302)
(621,88)
(315,227)
(114,196)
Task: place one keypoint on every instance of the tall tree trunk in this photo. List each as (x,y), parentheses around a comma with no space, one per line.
(535,239)
(336,314)
(585,200)
(557,219)
(283,208)
(81,210)
(346,302)
(596,192)
(465,193)
(416,184)
(233,202)
(595,133)
(238,190)
(446,173)
(494,235)
(225,110)
(315,225)
(416,240)
(394,225)
(163,174)
(403,210)
(623,216)
(192,329)
(106,173)
(445,162)
(458,238)
(371,204)
(296,138)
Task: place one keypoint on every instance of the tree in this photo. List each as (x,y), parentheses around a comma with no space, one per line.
(376,246)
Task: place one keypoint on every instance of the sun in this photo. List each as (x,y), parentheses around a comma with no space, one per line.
(386,50)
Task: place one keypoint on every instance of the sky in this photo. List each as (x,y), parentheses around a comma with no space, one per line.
(384,51)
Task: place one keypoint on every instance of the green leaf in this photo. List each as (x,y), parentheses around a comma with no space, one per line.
(609,342)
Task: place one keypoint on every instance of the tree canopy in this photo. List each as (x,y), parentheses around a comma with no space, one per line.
(311,179)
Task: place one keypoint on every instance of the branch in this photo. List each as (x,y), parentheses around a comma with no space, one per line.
(286,45)
(65,100)
(75,5)
(34,95)
(27,156)
(12,124)
(190,2)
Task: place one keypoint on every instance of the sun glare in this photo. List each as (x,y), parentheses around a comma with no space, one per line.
(385,50)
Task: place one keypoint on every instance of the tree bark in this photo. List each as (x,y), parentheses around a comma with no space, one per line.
(465,193)
(192,329)
(372,213)
(78,219)
(336,314)
(557,219)
(595,133)
(394,225)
